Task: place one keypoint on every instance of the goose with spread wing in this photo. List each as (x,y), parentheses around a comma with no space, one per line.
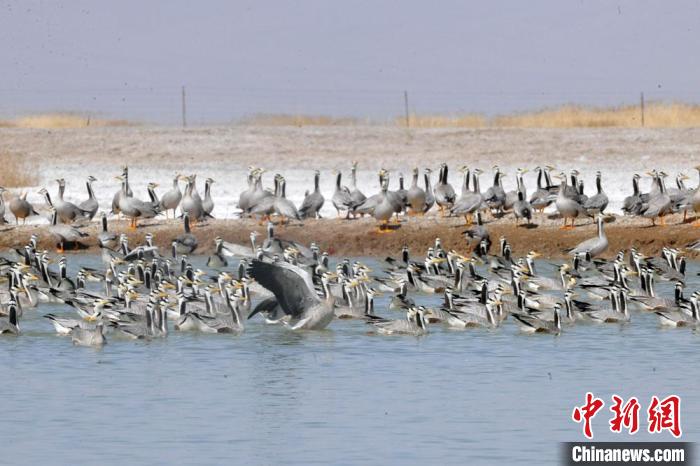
(295,293)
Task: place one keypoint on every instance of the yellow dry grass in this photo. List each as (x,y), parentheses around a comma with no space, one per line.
(281,119)
(443,121)
(656,115)
(15,172)
(60,121)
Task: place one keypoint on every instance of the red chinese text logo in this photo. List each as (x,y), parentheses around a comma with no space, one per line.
(661,415)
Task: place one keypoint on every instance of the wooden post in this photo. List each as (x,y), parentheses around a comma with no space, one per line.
(641,107)
(184,108)
(405,105)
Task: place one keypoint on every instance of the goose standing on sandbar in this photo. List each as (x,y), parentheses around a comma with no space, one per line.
(208,202)
(416,195)
(313,202)
(90,204)
(67,211)
(444,192)
(171,199)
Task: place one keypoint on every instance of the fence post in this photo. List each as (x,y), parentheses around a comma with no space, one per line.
(405,105)
(641,106)
(184,108)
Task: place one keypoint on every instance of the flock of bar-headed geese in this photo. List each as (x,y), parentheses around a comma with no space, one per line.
(144,293)
(567,197)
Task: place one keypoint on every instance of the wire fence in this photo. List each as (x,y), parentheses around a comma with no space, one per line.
(207,105)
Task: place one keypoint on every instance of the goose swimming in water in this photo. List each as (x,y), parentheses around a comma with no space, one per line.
(217,260)
(593,246)
(533,324)
(82,336)
(185,243)
(64,233)
(11,325)
(414,324)
(296,294)
(107,239)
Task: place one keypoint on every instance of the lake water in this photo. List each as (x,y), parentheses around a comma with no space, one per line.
(342,396)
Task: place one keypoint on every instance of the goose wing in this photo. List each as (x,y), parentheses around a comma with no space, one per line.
(291,285)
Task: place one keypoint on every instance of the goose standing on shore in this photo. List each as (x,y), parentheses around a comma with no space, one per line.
(21,208)
(263,206)
(522,209)
(342,199)
(208,202)
(119,194)
(469,202)
(695,202)
(444,192)
(191,202)
(597,203)
(135,208)
(90,204)
(313,202)
(495,196)
(67,211)
(384,209)
(632,204)
(512,196)
(283,206)
(415,195)
(568,207)
(244,197)
(171,199)
(2,206)
(356,195)
(659,203)
(540,199)
(429,195)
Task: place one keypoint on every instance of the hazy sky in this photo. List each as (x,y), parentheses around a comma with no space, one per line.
(129,58)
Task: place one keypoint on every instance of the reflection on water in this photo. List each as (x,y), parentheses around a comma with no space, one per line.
(274,396)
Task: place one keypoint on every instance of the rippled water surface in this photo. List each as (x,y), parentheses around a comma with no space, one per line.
(344,395)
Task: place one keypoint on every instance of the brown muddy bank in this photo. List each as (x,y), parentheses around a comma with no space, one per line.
(360,237)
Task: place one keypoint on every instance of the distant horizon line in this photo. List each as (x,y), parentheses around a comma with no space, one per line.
(652,114)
